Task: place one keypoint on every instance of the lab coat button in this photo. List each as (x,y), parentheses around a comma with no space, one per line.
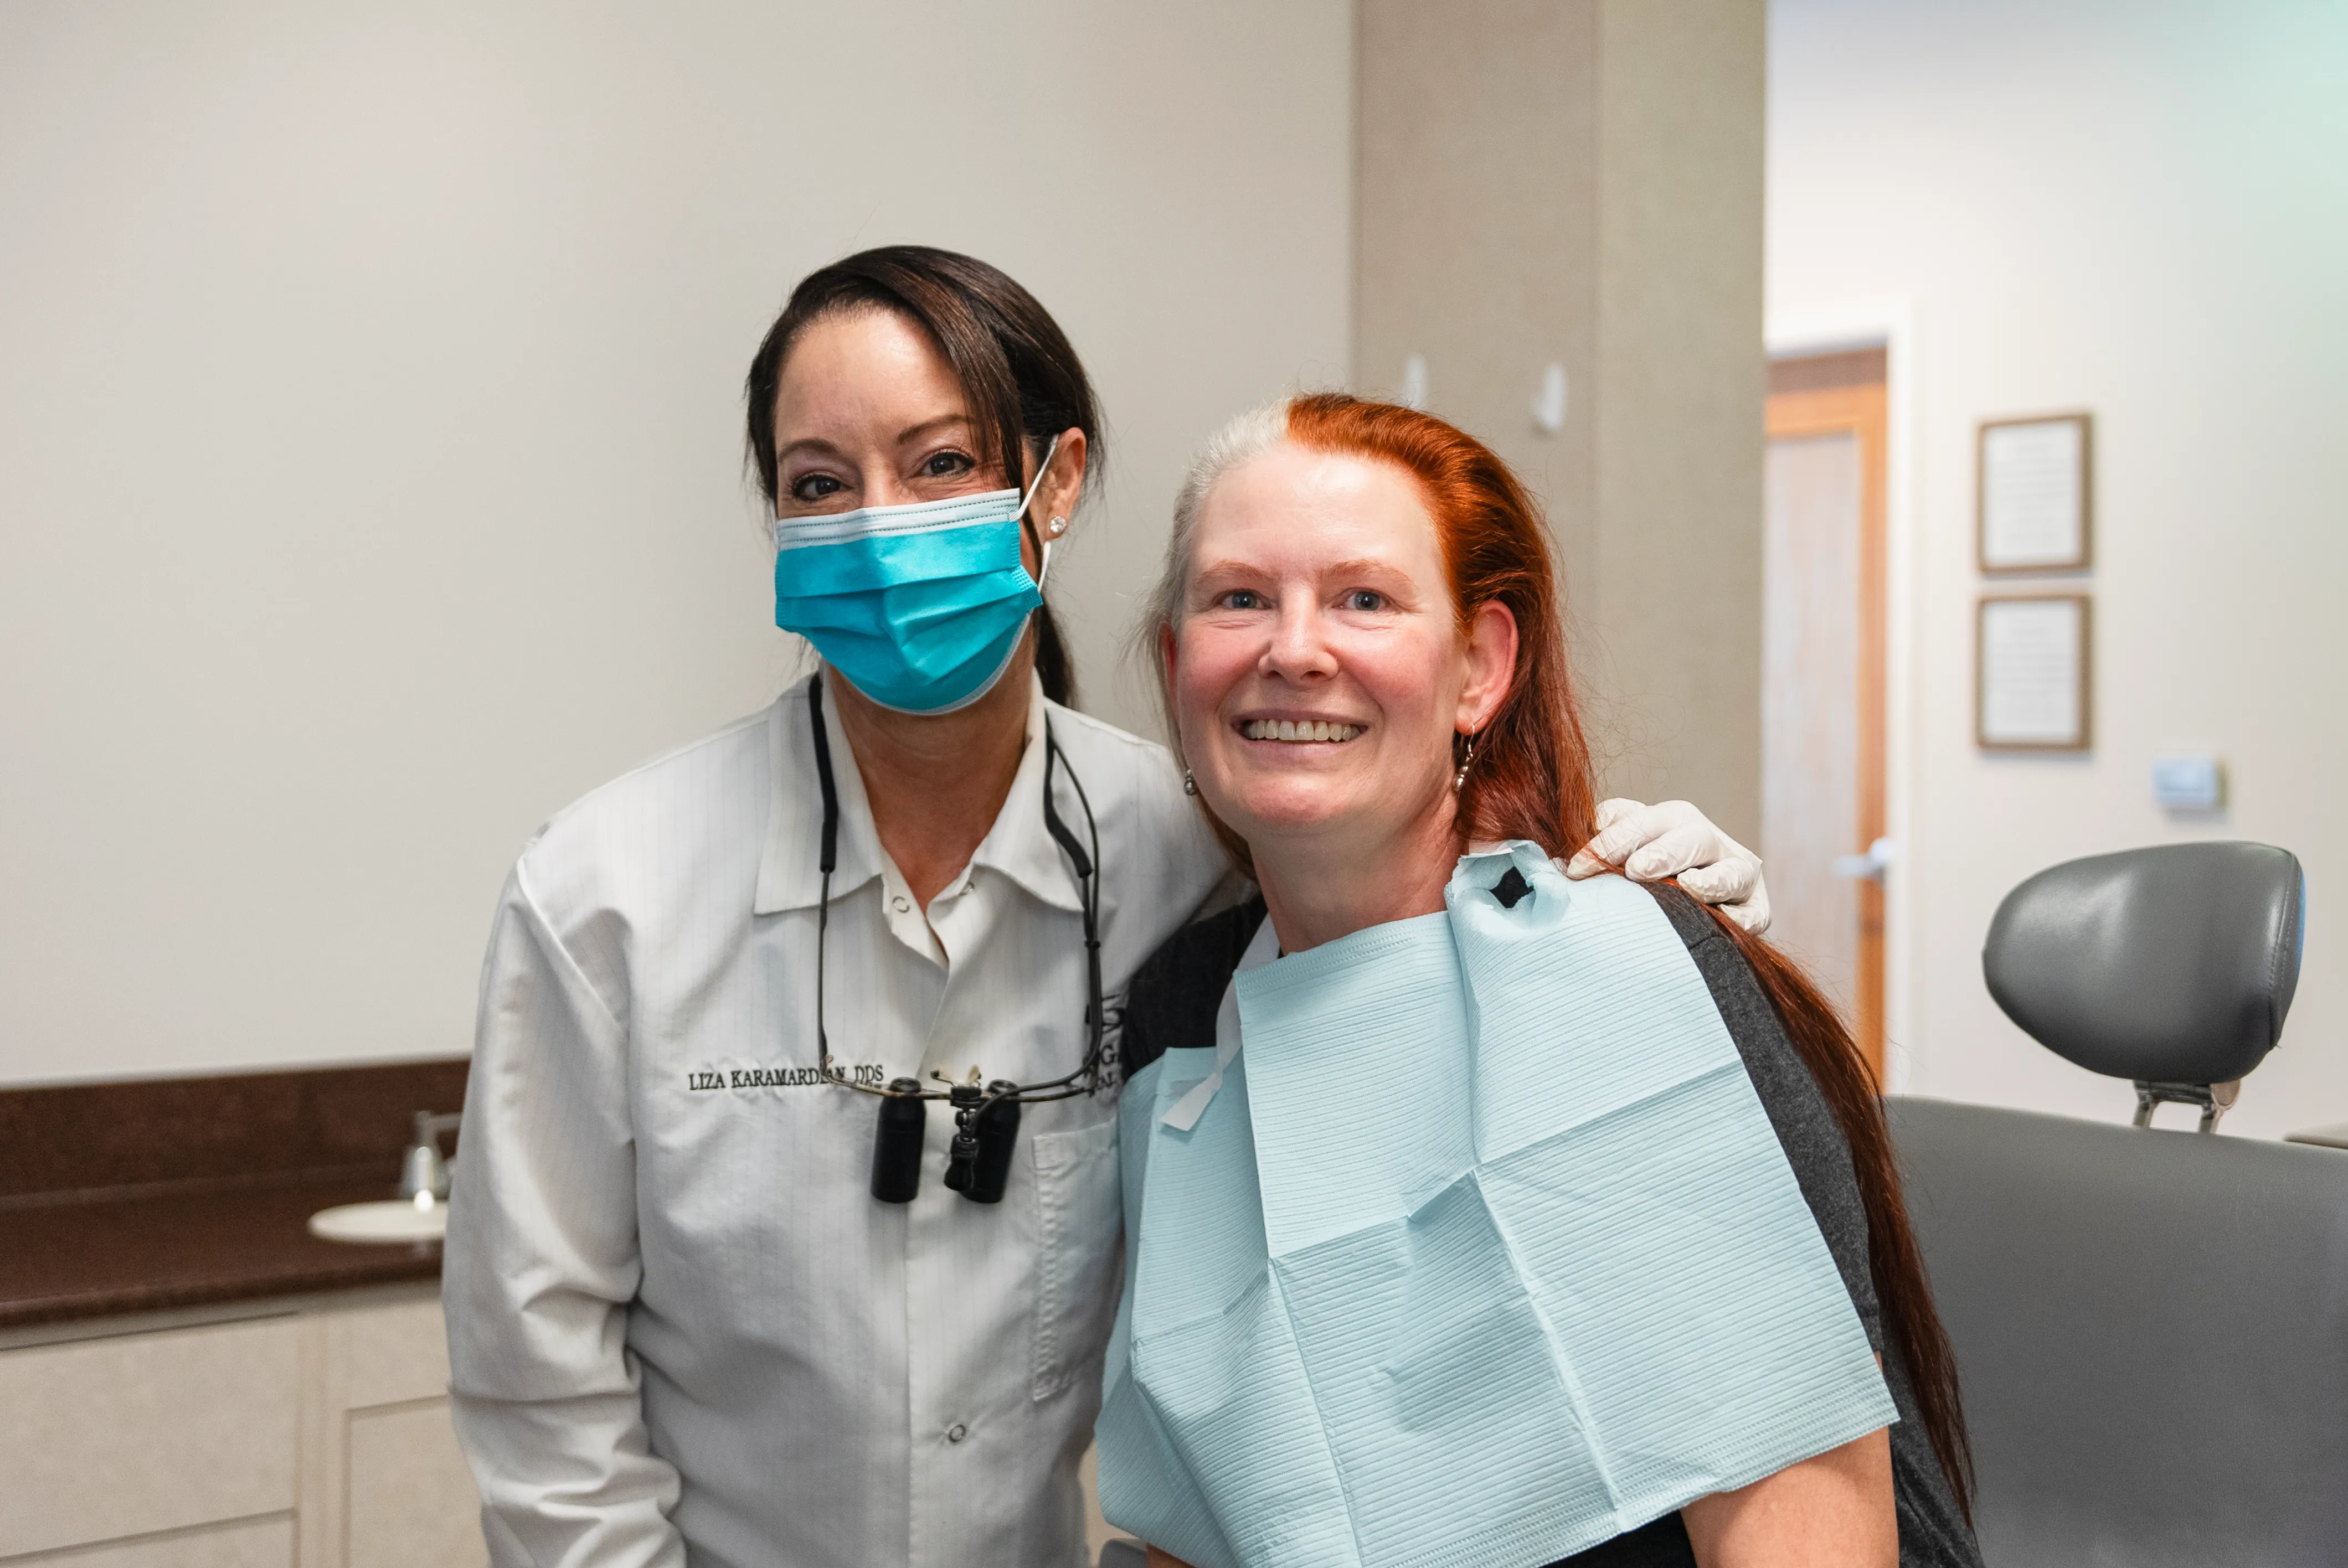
(900,904)
(956,1432)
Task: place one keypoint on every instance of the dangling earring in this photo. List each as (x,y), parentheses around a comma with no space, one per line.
(1189,784)
(1467,756)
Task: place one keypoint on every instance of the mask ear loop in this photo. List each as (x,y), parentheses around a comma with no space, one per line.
(1042,545)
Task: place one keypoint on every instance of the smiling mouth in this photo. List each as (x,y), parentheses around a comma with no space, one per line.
(1303,730)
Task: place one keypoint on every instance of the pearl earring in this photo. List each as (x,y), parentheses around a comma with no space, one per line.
(1466,757)
(1189,784)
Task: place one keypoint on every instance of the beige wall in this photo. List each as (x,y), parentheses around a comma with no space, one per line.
(1580,182)
(370,472)
(2140,208)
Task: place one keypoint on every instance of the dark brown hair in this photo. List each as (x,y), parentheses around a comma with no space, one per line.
(1531,778)
(1018,372)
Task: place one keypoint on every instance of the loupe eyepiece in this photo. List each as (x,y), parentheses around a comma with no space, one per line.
(961,1162)
(961,1154)
(996,1124)
(897,1142)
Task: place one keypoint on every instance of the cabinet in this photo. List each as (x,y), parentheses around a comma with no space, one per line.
(313,1434)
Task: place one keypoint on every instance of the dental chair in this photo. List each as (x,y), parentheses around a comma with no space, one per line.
(2151,1326)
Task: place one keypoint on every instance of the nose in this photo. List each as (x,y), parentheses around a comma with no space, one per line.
(882,487)
(1299,650)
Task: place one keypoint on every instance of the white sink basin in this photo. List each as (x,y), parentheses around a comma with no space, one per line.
(392,1221)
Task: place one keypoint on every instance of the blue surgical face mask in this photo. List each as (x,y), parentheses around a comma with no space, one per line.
(920,607)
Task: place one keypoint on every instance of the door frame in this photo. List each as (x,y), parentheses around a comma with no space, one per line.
(1860,411)
(1888,323)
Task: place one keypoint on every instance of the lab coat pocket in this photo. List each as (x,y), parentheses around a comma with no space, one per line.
(1080,1220)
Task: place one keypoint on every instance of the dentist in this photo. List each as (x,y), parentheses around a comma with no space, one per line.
(790,1220)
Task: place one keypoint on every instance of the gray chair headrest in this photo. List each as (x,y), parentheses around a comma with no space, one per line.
(2175,963)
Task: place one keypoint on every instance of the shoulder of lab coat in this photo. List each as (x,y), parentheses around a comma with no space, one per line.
(680,834)
(1158,856)
(541,1259)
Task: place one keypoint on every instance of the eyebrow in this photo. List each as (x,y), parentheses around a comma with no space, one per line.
(911,433)
(806,444)
(927,426)
(1367,566)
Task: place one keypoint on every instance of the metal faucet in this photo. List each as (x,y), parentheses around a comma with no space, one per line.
(424,1172)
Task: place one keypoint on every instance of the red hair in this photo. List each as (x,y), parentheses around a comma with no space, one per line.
(1531,778)
(1530,775)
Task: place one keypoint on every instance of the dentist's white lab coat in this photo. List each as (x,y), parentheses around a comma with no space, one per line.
(679,1325)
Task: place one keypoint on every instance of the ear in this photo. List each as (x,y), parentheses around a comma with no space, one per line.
(1057,491)
(1062,485)
(1492,665)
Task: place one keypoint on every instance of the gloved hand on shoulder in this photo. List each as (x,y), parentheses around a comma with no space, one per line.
(1672,838)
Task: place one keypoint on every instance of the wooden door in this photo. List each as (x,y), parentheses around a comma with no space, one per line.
(1822,687)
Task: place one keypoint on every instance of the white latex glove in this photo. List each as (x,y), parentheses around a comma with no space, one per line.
(1672,838)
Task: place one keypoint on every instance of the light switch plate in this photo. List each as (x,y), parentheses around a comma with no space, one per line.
(2189,784)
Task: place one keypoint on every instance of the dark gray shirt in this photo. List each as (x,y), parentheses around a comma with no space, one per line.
(1172,1006)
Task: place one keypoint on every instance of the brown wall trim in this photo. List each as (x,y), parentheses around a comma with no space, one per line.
(1820,372)
(144,1132)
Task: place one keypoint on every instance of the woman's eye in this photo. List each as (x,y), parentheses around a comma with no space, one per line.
(1364,598)
(814,488)
(945,465)
(1243,599)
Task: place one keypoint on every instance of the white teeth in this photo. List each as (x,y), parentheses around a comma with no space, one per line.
(1300,730)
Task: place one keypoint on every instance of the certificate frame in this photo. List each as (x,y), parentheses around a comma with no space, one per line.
(2081,557)
(2082,737)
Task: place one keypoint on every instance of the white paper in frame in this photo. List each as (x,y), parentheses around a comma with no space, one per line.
(2036,493)
(2031,674)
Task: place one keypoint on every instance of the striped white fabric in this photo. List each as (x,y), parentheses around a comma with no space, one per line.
(882,522)
(680,1327)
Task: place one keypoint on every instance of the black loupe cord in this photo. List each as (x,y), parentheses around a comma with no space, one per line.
(987,1120)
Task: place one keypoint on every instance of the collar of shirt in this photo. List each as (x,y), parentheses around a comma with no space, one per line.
(1018,846)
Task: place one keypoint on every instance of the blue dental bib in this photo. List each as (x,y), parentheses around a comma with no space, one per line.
(1482,1251)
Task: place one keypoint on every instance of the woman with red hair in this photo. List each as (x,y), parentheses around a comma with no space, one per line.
(1359,638)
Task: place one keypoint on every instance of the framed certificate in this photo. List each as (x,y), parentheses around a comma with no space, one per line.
(2035,492)
(2031,686)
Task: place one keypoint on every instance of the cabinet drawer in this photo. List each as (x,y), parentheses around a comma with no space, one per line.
(252,1543)
(412,1498)
(110,1438)
(387,1353)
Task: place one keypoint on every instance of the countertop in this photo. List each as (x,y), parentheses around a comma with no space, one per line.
(105,1253)
(151,1196)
